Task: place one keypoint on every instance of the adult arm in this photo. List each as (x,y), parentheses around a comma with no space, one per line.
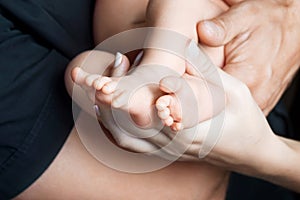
(245,143)
(248,145)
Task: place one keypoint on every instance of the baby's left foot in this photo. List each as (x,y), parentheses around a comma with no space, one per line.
(189,101)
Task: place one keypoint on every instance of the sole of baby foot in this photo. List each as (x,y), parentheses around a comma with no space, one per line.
(188,102)
(168,110)
(140,104)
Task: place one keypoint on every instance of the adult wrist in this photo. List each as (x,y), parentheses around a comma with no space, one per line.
(273,161)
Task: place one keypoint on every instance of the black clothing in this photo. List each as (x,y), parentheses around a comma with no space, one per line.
(37,40)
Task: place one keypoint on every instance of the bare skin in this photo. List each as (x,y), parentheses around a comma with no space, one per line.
(214,179)
(268,70)
(276,168)
(159,14)
(75,174)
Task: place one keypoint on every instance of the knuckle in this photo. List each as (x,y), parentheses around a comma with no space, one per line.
(223,23)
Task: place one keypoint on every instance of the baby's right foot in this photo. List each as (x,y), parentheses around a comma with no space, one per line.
(189,101)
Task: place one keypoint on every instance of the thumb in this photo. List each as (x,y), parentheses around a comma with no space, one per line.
(224,28)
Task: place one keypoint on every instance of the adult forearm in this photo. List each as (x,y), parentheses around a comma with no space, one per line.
(279,163)
(288,165)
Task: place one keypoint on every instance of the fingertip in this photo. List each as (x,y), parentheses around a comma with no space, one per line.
(124,65)
(210,34)
(118,59)
(121,65)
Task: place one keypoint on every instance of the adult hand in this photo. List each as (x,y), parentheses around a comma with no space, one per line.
(245,143)
(242,127)
(261,39)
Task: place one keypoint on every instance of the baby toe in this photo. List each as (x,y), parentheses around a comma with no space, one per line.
(164,114)
(78,75)
(177,126)
(100,82)
(109,87)
(169,121)
(163,102)
(90,79)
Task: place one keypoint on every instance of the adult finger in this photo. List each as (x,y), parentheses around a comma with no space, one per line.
(120,66)
(224,28)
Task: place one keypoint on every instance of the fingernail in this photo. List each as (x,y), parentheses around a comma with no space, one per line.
(138,59)
(118,59)
(211,28)
(97,110)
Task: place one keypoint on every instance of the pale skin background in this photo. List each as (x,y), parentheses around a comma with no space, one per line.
(72,184)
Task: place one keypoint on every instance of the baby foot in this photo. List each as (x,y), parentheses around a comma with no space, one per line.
(188,102)
(88,80)
(135,93)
